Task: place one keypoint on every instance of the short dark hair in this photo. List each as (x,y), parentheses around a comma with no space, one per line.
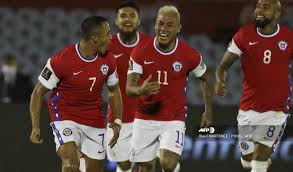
(128,3)
(91,23)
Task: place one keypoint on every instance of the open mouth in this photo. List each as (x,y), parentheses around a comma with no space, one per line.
(260,17)
(163,36)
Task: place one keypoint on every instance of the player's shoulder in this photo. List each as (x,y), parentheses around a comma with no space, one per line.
(286,30)
(143,36)
(64,54)
(144,44)
(248,28)
(184,47)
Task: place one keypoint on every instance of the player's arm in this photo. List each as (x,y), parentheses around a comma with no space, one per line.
(115,101)
(207,89)
(221,73)
(133,88)
(35,110)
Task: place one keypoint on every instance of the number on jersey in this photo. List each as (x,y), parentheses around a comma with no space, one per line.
(267,56)
(164,78)
(93,83)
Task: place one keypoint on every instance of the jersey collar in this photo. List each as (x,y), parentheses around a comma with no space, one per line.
(271,35)
(168,53)
(83,58)
(128,46)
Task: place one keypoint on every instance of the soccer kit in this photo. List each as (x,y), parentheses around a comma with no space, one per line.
(122,51)
(264,106)
(75,104)
(159,119)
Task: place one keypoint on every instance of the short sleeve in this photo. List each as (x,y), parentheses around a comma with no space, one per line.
(112,75)
(199,67)
(135,65)
(48,77)
(235,45)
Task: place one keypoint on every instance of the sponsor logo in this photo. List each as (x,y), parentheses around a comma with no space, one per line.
(46,73)
(177,66)
(148,62)
(104,69)
(76,73)
(116,56)
(252,43)
(283,45)
(67,132)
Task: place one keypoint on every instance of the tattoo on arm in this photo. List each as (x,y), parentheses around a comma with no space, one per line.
(226,62)
(132,87)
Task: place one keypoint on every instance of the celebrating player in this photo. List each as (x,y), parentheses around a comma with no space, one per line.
(158,72)
(127,22)
(76,76)
(265,50)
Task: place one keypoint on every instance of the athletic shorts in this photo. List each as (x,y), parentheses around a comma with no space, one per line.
(120,151)
(149,136)
(89,140)
(266,128)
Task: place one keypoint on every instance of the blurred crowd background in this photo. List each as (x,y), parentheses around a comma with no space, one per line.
(32,31)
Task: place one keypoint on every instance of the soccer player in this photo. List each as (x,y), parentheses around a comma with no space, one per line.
(127,22)
(76,76)
(265,50)
(158,72)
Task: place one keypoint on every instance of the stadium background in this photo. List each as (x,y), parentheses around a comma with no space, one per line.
(34,30)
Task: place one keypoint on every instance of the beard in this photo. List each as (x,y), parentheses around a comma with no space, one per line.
(262,23)
(128,34)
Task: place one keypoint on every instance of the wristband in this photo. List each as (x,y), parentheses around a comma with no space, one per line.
(118,121)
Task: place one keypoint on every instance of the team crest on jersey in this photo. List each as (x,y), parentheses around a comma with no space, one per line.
(244,145)
(283,45)
(177,66)
(67,132)
(104,69)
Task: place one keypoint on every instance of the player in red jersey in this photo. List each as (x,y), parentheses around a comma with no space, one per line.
(127,22)
(158,72)
(265,50)
(76,76)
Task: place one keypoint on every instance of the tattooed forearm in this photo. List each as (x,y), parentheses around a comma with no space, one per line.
(132,88)
(225,64)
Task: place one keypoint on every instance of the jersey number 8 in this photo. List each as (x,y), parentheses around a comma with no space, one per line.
(267,56)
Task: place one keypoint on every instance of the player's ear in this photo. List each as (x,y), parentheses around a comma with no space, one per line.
(179,29)
(138,21)
(116,21)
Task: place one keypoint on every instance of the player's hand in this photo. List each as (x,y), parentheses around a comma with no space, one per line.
(149,88)
(35,137)
(116,130)
(220,89)
(206,120)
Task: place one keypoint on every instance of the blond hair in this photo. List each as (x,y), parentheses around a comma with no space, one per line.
(170,9)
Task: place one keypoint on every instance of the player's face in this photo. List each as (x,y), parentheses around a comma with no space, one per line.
(265,12)
(127,20)
(167,26)
(103,38)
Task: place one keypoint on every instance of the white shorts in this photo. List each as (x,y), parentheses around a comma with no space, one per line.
(149,136)
(89,140)
(120,152)
(266,128)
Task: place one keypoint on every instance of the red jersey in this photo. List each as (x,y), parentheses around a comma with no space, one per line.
(77,85)
(265,62)
(122,53)
(171,71)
